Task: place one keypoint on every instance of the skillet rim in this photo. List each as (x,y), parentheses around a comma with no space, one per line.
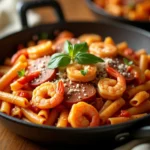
(102,12)
(100,128)
(113,23)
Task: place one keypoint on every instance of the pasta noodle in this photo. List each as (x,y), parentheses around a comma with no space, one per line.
(75,82)
(106,104)
(13,99)
(63,119)
(143,62)
(147,74)
(5,107)
(144,107)
(6,79)
(116,120)
(44,113)
(139,88)
(16,112)
(31,116)
(139,98)
(111,109)
(52,118)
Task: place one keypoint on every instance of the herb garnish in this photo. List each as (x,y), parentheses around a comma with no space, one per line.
(73,53)
(21,73)
(127,62)
(84,72)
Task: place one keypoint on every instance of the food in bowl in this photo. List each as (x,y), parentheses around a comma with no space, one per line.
(76,82)
(134,10)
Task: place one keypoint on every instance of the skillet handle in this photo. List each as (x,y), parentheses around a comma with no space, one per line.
(23,7)
(143,132)
(139,133)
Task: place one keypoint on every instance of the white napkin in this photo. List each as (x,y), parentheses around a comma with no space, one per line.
(9,17)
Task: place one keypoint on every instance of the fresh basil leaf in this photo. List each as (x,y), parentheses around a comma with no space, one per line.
(84,72)
(80,47)
(127,62)
(68,47)
(86,58)
(59,60)
(21,73)
(130,63)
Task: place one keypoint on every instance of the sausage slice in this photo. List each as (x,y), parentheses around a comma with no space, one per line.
(46,74)
(75,92)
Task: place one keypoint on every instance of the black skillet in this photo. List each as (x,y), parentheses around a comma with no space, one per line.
(112,135)
(103,15)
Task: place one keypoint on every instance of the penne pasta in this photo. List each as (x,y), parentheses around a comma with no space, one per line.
(111,110)
(33,117)
(16,86)
(117,120)
(140,52)
(6,79)
(139,98)
(44,114)
(16,112)
(5,107)
(22,58)
(143,108)
(138,116)
(63,119)
(147,74)
(143,87)
(106,104)
(143,65)
(13,99)
(52,118)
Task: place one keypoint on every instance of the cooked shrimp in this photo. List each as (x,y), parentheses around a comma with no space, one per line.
(83,114)
(90,38)
(103,50)
(110,88)
(48,89)
(74,72)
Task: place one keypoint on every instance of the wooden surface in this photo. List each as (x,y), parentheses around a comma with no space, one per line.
(74,10)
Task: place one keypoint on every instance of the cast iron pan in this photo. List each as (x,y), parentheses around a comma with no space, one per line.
(103,15)
(113,135)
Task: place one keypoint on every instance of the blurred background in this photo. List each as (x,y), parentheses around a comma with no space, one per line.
(77,10)
(74,10)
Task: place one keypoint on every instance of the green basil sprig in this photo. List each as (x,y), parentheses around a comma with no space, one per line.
(127,62)
(84,72)
(73,53)
(21,73)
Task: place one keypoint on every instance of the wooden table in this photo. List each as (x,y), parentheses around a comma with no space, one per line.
(74,10)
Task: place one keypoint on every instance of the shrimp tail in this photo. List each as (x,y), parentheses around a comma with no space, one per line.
(60,87)
(112,71)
